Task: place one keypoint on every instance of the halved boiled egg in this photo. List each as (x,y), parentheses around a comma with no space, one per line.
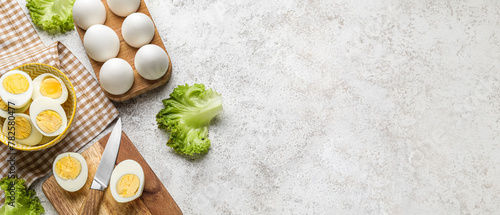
(16,88)
(22,129)
(70,170)
(51,86)
(48,116)
(127,181)
(4,108)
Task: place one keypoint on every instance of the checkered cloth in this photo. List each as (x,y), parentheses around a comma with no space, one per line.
(20,44)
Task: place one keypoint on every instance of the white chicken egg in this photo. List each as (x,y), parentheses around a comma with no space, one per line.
(138,29)
(4,109)
(71,171)
(151,62)
(88,12)
(116,76)
(127,181)
(48,116)
(101,43)
(16,88)
(123,7)
(23,130)
(51,86)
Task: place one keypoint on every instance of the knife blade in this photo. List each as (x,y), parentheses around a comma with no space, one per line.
(103,172)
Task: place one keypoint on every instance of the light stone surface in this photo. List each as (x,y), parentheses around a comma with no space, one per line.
(330,107)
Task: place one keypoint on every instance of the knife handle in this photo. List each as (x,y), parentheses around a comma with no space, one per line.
(91,203)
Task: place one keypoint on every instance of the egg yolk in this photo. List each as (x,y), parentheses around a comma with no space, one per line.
(22,128)
(15,84)
(68,168)
(127,185)
(48,121)
(3,106)
(51,88)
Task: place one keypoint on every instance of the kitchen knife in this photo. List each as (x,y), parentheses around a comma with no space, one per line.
(103,173)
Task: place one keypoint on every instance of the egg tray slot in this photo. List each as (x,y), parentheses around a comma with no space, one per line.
(127,53)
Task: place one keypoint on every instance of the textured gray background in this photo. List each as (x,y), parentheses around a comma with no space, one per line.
(330,107)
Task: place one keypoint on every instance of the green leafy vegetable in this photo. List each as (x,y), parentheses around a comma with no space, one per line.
(187,114)
(53,16)
(18,199)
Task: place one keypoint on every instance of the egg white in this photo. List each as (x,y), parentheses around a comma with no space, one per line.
(77,183)
(44,103)
(17,100)
(34,138)
(5,114)
(37,84)
(123,168)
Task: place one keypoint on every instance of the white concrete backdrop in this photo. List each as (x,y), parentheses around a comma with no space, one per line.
(330,107)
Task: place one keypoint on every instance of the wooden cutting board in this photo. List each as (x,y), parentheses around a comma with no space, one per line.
(127,53)
(155,199)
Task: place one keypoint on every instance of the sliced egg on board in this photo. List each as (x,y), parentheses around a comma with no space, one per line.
(51,86)
(70,170)
(127,181)
(16,88)
(4,109)
(22,129)
(48,116)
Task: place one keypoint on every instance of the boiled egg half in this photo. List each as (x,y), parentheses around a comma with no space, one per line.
(48,116)
(21,127)
(51,86)
(70,170)
(16,88)
(127,181)
(4,108)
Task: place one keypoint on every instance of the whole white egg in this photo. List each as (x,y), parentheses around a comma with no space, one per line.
(127,181)
(138,30)
(123,7)
(48,116)
(88,12)
(65,168)
(151,62)
(16,88)
(51,86)
(25,131)
(116,76)
(101,43)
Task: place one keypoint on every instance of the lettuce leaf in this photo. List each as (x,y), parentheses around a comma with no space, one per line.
(19,199)
(187,114)
(53,16)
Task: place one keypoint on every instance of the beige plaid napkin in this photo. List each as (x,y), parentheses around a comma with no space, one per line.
(20,44)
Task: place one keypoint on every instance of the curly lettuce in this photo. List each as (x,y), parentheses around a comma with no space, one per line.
(187,114)
(19,199)
(53,16)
